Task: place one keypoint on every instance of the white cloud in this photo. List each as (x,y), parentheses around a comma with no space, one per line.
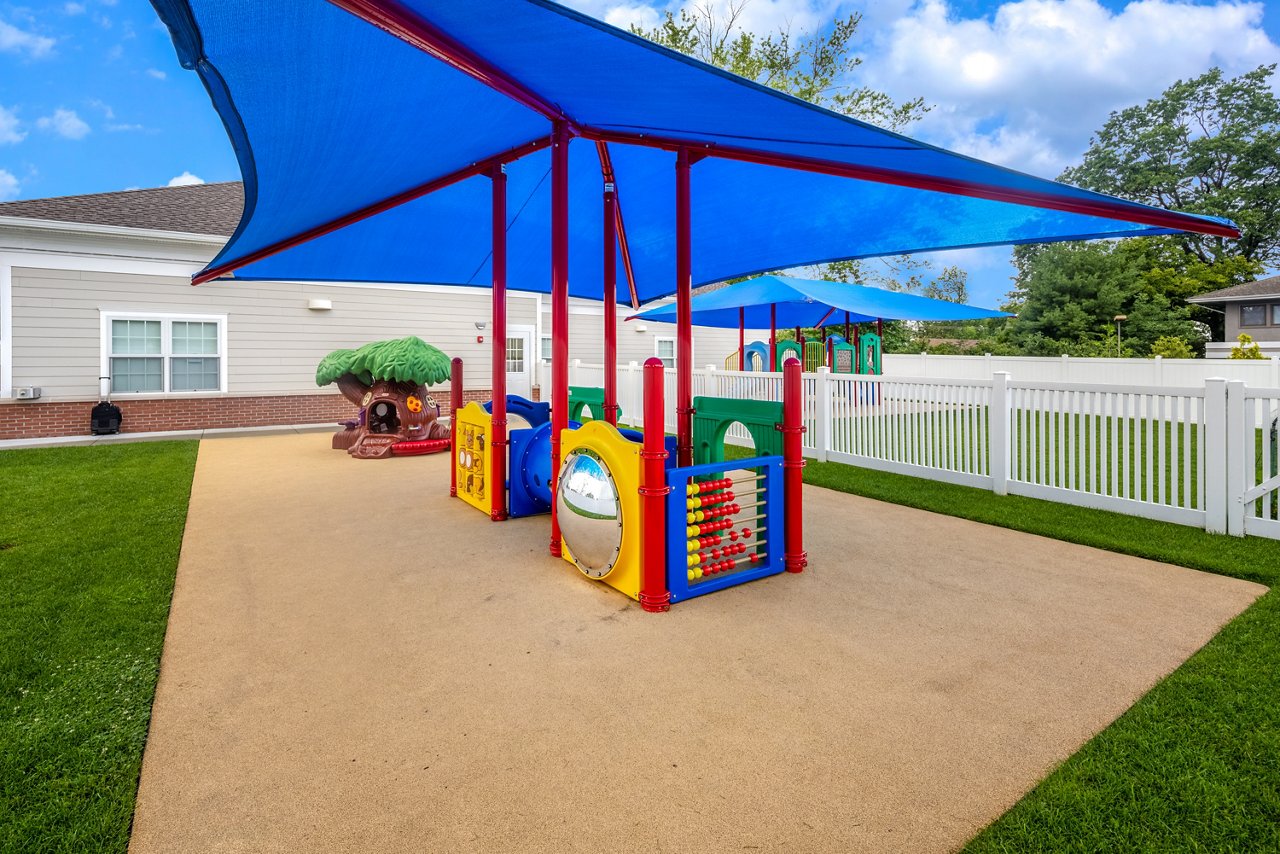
(10,128)
(1028,85)
(14,40)
(118,128)
(156,73)
(186,179)
(64,123)
(8,186)
(107,112)
(73,9)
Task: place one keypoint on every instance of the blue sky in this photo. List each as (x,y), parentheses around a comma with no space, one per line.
(92,97)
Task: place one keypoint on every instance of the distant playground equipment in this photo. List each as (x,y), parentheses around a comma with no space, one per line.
(834,352)
(630,517)
(388,380)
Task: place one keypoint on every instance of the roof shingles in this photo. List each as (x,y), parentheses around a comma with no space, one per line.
(1269,287)
(194,209)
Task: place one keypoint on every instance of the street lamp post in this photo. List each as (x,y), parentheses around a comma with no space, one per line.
(1120,318)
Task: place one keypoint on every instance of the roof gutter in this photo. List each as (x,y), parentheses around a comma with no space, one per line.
(89,228)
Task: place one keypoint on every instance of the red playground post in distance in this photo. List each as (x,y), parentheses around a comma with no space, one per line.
(498,438)
(559,312)
(610,304)
(795,558)
(654,595)
(455,404)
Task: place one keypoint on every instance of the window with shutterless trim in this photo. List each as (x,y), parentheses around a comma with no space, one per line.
(163,354)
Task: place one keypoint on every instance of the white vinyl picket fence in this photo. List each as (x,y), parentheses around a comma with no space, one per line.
(1203,455)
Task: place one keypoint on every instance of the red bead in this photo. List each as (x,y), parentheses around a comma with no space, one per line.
(746,532)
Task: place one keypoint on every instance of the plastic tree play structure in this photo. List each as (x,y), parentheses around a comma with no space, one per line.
(388,380)
(559,112)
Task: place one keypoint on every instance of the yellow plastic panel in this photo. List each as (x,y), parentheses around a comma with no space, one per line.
(472,457)
(622,458)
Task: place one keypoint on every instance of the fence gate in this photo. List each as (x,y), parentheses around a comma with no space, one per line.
(1253,463)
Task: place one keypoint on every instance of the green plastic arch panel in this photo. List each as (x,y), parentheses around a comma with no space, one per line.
(785,349)
(712,417)
(869,354)
(587,398)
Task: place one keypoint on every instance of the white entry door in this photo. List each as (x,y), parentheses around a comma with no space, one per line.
(520,358)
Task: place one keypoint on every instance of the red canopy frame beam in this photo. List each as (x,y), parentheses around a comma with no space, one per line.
(480,167)
(606,169)
(935,183)
(559,311)
(498,436)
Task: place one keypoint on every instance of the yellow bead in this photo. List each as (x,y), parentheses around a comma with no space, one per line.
(689,517)
(691,531)
(697,502)
(694,560)
(691,575)
(697,573)
(693,545)
(691,490)
(698,516)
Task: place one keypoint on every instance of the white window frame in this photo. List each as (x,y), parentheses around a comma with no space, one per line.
(166,349)
(546,360)
(658,353)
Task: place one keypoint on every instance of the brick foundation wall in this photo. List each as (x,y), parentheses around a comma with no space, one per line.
(48,418)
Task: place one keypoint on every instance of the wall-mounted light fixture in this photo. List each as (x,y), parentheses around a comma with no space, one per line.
(479,324)
(317,304)
(640,327)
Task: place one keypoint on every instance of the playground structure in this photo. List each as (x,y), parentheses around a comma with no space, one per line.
(630,516)
(830,351)
(413,186)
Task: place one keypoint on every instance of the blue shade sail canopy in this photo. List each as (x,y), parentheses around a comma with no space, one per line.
(365,130)
(809,303)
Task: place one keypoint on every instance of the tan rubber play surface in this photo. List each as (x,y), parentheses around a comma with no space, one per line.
(356,662)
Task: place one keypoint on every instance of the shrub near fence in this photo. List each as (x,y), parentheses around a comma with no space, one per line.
(1200,454)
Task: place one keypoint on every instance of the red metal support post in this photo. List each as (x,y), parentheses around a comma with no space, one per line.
(795,557)
(773,337)
(455,404)
(742,338)
(610,304)
(684,313)
(498,437)
(559,311)
(654,595)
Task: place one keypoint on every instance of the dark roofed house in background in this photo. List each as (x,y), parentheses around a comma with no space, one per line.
(1252,308)
(192,209)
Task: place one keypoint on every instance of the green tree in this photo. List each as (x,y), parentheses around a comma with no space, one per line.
(1246,348)
(1210,145)
(813,67)
(1171,348)
(1067,296)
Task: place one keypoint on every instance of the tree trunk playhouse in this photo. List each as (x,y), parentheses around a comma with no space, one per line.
(579,116)
(388,380)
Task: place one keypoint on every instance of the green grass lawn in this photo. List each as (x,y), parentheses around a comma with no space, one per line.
(89,542)
(1195,764)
